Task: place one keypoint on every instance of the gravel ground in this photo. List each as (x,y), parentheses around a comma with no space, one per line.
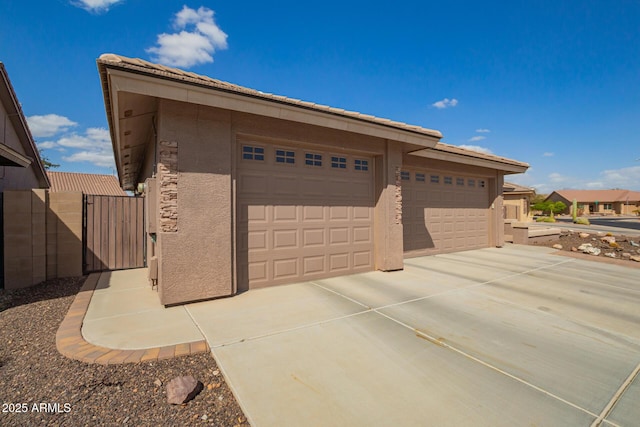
(571,240)
(33,372)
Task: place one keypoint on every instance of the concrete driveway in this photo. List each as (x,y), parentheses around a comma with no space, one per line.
(496,337)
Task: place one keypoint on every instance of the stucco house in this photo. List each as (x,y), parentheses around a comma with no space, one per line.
(598,202)
(517,200)
(246,189)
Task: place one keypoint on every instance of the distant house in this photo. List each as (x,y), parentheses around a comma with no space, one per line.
(516,201)
(87,183)
(598,202)
(20,165)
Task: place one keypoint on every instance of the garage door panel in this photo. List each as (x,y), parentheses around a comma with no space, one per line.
(338,235)
(304,222)
(284,239)
(313,237)
(285,268)
(313,213)
(338,213)
(443,212)
(285,213)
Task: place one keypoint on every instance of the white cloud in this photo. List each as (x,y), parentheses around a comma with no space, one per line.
(445,103)
(49,125)
(548,154)
(47,145)
(92,146)
(195,43)
(476,148)
(95,6)
(483,130)
(627,178)
(103,159)
(557,178)
(477,138)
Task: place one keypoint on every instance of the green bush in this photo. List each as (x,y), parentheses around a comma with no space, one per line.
(581,220)
(546,219)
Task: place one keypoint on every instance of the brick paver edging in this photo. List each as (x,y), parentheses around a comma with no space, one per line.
(71,343)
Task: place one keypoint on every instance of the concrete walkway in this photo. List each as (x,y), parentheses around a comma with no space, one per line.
(512,336)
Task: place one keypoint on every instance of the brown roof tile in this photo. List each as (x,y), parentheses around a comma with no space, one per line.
(103,185)
(140,65)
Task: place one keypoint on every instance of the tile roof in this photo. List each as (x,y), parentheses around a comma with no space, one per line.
(509,187)
(440,146)
(615,195)
(146,67)
(102,185)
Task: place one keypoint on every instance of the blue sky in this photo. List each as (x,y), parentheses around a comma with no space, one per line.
(552,83)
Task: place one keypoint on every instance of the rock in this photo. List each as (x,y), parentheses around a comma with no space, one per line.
(158,382)
(574,249)
(635,258)
(634,243)
(585,246)
(557,246)
(610,254)
(626,255)
(182,389)
(600,234)
(608,239)
(594,251)
(584,235)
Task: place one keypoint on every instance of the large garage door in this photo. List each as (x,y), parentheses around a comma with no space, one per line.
(302,214)
(443,212)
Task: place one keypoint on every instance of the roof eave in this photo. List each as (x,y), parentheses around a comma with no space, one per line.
(507,166)
(22,129)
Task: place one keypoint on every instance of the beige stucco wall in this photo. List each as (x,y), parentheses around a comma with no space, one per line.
(518,201)
(42,236)
(14,178)
(195,261)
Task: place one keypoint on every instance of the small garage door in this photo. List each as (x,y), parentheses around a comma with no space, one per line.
(303,214)
(443,212)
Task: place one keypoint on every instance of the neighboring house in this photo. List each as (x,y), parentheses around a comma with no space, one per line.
(20,165)
(87,183)
(246,189)
(517,201)
(598,202)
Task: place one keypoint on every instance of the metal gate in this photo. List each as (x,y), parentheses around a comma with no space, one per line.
(113,233)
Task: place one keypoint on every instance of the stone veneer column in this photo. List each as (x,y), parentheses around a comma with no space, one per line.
(398,196)
(168,183)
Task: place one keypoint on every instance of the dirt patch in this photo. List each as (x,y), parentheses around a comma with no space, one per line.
(39,386)
(613,247)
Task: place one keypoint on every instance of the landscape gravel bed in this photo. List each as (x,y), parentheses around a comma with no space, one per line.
(598,244)
(39,386)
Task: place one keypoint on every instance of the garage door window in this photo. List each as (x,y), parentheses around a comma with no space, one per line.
(252,153)
(405,176)
(459,181)
(338,162)
(361,165)
(435,179)
(284,156)
(481,184)
(472,183)
(448,180)
(313,159)
(420,177)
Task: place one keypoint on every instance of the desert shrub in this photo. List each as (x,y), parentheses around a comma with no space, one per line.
(546,219)
(581,220)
